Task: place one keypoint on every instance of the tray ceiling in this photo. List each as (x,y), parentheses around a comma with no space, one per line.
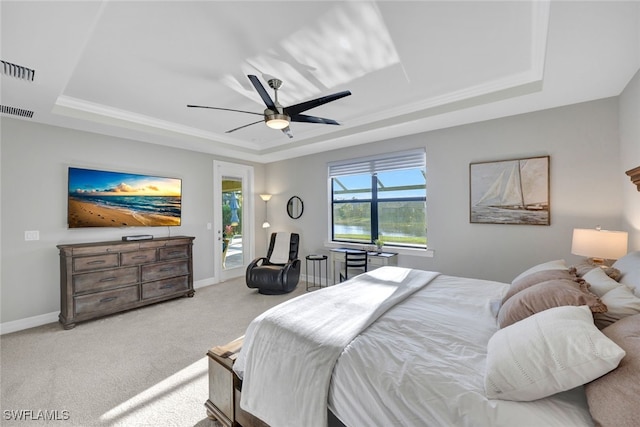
(129,69)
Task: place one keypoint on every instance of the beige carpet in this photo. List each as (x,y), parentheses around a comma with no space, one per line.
(145,367)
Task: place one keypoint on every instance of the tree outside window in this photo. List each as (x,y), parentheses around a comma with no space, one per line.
(387,202)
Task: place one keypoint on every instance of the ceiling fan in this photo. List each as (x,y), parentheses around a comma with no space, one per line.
(278,117)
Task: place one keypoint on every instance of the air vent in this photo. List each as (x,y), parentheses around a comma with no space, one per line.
(18,71)
(16,111)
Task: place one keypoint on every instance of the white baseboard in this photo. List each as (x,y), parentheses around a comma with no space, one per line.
(29,322)
(204,282)
(43,319)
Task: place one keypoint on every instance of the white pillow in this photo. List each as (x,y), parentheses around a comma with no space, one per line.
(600,282)
(550,265)
(552,351)
(629,266)
(620,302)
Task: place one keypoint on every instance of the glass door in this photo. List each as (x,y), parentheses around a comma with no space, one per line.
(232,202)
(233,219)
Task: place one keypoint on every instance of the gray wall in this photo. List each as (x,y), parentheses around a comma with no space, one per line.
(630,156)
(590,144)
(35,159)
(586,190)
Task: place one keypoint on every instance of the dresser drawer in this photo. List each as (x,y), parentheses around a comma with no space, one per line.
(95,262)
(107,301)
(104,249)
(173,252)
(101,280)
(165,287)
(164,270)
(138,257)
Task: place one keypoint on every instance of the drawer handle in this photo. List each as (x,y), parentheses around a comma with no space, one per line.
(140,257)
(98,261)
(166,287)
(166,269)
(108,279)
(108,299)
(175,253)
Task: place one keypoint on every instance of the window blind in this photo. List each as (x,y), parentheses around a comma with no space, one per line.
(414,159)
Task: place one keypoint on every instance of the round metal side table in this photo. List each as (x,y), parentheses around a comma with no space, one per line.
(317,262)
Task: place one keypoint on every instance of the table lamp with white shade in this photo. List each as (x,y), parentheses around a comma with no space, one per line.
(599,245)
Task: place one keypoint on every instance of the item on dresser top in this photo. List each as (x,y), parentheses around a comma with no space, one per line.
(137,237)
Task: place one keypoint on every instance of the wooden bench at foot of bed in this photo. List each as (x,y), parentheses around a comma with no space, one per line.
(225,388)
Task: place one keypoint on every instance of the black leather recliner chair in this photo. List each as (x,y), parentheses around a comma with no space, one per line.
(275,278)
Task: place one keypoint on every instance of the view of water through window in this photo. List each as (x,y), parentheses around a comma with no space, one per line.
(388,206)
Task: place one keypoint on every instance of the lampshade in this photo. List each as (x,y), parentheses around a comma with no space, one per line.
(266,198)
(599,244)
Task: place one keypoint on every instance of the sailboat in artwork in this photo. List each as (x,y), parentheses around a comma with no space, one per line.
(516,187)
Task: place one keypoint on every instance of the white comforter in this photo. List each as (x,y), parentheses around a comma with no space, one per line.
(289,352)
(420,364)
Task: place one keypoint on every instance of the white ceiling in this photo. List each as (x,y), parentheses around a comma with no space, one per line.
(129,69)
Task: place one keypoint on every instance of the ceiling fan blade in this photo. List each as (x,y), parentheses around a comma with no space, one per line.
(262,92)
(287,131)
(303,118)
(225,109)
(244,126)
(293,110)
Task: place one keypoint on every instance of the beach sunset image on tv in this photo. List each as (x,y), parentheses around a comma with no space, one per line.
(115,199)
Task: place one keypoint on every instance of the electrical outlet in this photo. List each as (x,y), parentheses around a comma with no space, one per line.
(32,235)
(208,226)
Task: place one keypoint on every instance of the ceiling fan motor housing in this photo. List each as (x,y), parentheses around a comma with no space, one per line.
(275,83)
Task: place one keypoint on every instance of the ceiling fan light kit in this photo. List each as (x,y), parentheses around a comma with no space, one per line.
(277,121)
(277,117)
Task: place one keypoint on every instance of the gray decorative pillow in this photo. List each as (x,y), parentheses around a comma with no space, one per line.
(523,283)
(558,264)
(613,398)
(545,295)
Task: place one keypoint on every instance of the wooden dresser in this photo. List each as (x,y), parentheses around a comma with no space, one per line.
(102,278)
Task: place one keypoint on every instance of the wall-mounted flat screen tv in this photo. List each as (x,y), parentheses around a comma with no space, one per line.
(114,199)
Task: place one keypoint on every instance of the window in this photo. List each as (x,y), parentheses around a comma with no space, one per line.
(380,197)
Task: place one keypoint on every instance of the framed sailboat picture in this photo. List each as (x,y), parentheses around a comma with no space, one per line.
(510,191)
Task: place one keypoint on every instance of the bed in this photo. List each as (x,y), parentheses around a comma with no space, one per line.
(403,347)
